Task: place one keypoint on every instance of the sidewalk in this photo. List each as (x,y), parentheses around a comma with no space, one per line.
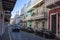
(5,36)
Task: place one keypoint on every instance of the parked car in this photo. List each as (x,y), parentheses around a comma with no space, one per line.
(48,34)
(45,33)
(16,28)
(39,32)
(28,29)
(22,28)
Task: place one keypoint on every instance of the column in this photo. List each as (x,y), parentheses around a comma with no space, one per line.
(0,17)
(3,23)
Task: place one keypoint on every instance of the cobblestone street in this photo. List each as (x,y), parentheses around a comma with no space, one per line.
(26,36)
(10,35)
(29,19)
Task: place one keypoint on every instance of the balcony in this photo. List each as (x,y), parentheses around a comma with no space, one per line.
(8,4)
(41,16)
(27,18)
(7,16)
(36,17)
(53,3)
(7,13)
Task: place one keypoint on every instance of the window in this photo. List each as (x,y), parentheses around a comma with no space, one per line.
(30,23)
(26,15)
(1,16)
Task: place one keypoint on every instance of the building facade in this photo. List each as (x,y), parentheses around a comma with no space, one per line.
(36,17)
(11,21)
(5,13)
(53,17)
(44,14)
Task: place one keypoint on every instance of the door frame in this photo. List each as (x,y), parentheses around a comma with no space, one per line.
(56,22)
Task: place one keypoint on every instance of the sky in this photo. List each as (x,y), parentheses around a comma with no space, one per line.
(18,6)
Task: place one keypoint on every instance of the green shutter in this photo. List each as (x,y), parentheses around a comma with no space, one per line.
(31,13)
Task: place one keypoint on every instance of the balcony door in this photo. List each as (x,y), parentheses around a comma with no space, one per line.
(53,22)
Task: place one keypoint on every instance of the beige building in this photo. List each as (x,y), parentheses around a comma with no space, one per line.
(35,17)
(38,17)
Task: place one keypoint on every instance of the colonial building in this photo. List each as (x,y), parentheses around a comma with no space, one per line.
(39,15)
(54,16)
(36,17)
(16,18)
(6,6)
(43,14)
(24,15)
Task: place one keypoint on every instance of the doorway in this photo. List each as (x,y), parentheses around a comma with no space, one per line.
(53,22)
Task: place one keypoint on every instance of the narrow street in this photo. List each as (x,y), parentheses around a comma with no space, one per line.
(29,19)
(25,36)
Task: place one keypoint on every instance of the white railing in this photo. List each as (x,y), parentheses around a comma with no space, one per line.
(40,16)
(37,17)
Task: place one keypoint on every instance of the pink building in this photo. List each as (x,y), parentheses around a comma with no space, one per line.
(54,17)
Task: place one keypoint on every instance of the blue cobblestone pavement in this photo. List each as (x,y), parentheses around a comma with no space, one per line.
(27,36)
(10,35)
